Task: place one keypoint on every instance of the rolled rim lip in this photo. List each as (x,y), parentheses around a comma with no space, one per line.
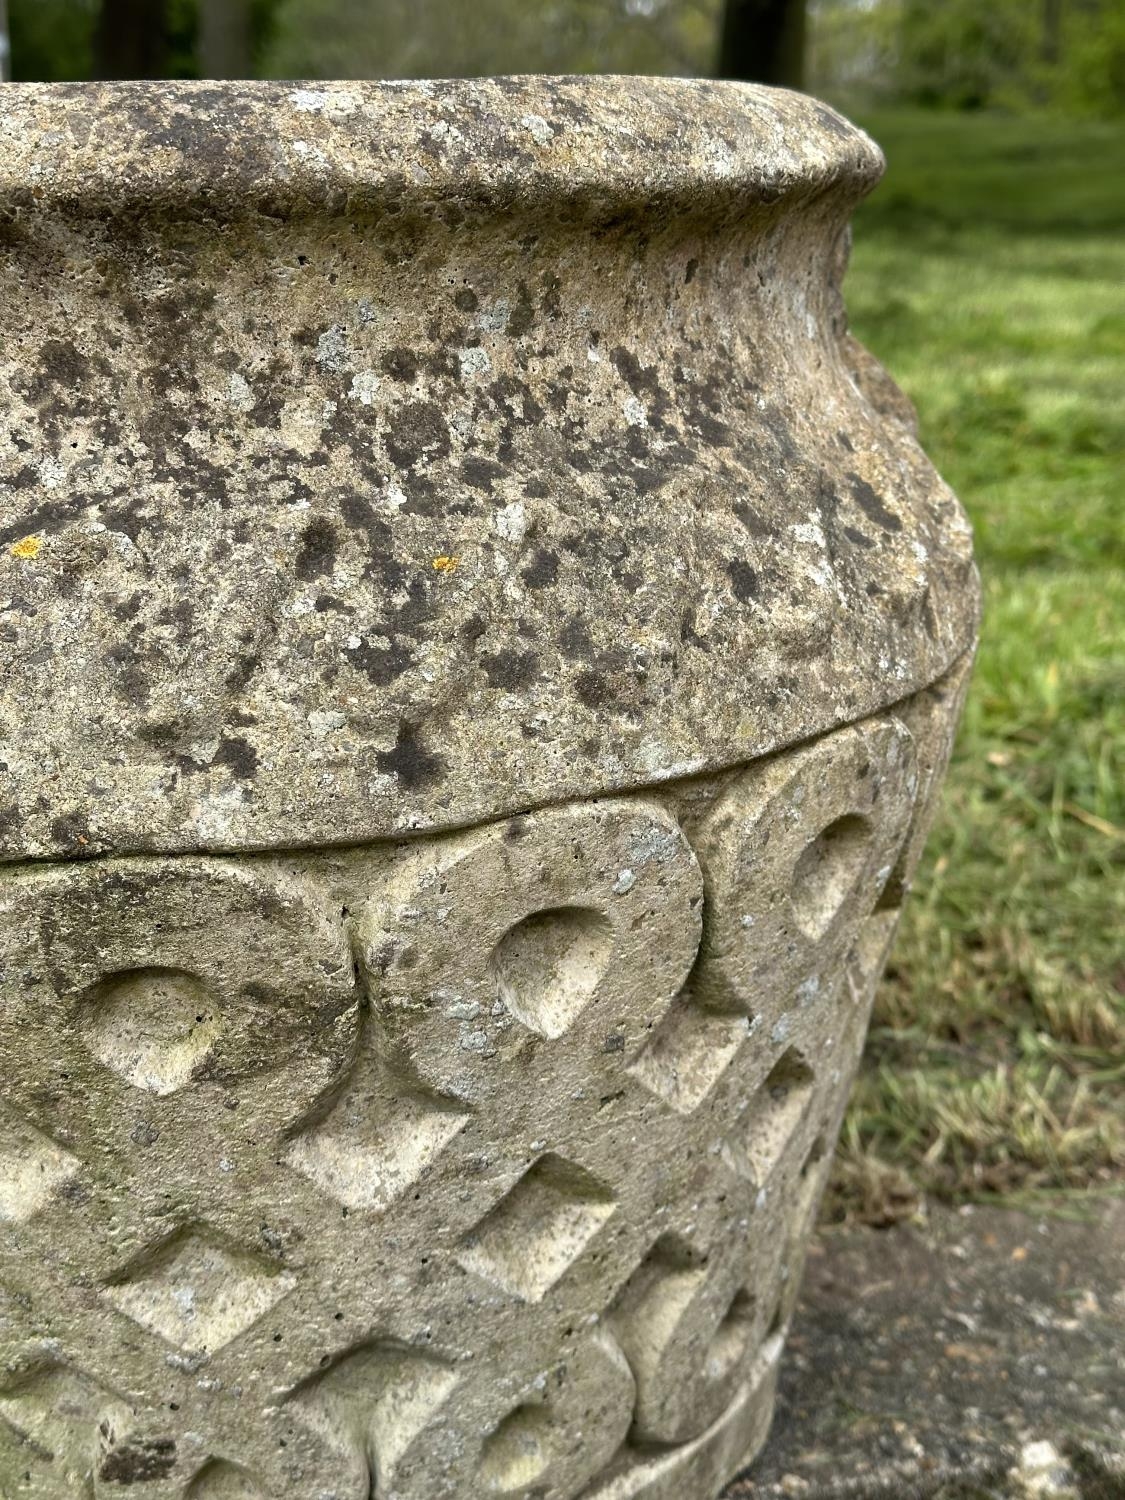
(605,139)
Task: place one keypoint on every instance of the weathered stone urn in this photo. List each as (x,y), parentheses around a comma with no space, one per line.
(480,643)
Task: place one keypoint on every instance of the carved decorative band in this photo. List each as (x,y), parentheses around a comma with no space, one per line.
(473,1166)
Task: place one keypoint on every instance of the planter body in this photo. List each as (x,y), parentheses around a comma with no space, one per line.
(480,647)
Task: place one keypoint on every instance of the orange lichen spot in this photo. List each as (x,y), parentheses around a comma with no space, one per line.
(27,547)
(445,564)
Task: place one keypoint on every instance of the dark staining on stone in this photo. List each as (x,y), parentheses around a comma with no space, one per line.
(536,488)
(50,517)
(24,478)
(517,828)
(542,570)
(240,675)
(592,689)
(515,400)
(410,761)
(752,521)
(131,517)
(689,636)
(690,270)
(481,473)
(454,336)
(240,755)
(138,1462)
(401,365)
(743,580)
(318,550)
(703,404)
(466,300)
(860,538)
(382,665)
(560,391)
(60,364)
(332,603)
(130,679)
(129,609)
(442,364)
(521,319)
(181,617)
(76,1191)
(574,640)
(512,670)
(381,563)
(71,831)
(871,505)
(641,381)
(418,433)
(714,433)
(411,617)
(472,630)
(13,236)
(771,443)
(845,441)
(163,734)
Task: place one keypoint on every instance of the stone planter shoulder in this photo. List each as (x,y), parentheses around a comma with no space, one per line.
(481,643)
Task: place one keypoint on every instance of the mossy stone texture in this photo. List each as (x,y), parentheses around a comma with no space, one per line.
(385,457)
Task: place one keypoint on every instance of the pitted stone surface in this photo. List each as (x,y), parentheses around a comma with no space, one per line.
(479,1170)
(480,647)
(387,457)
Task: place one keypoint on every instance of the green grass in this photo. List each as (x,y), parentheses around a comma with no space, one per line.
(987,276)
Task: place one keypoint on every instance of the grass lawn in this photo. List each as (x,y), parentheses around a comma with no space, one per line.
(987,275)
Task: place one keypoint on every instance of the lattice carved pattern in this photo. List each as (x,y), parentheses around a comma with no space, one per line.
(475,1167)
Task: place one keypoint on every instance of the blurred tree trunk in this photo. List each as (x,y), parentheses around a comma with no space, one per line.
(5,44)
(130,39)
(225,39)
(763,41)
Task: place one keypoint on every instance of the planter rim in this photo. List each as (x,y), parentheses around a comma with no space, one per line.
(391,457)
(606,141)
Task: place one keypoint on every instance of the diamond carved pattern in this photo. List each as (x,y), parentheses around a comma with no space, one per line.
(196,1293)
(771,1119)
(690,1051)
(539,1229)
(373,1137)
(32,1168)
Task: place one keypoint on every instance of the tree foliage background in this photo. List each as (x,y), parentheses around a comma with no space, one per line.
(972,54)
(1067,55)
(437,38)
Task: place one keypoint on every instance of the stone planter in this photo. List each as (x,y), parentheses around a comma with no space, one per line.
(480,643)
